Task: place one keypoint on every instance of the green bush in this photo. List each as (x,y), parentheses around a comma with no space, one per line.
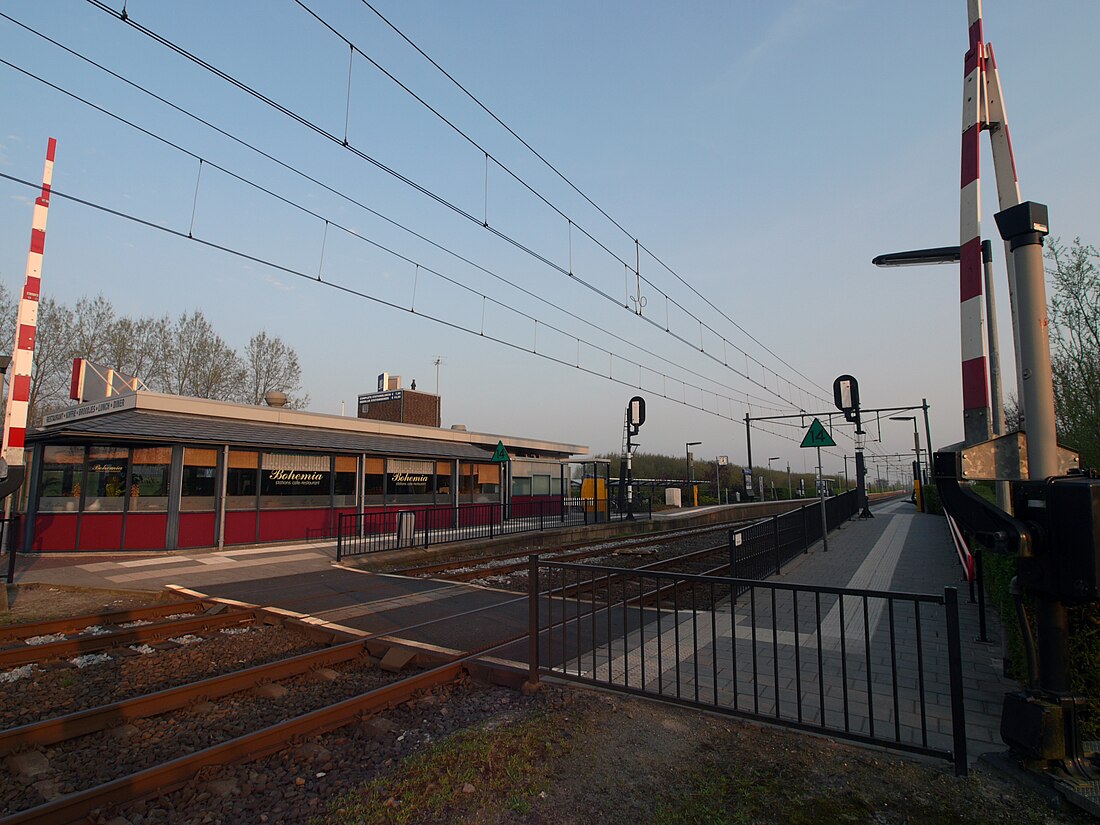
(1084,639)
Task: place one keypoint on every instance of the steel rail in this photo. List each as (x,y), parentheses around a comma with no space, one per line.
(648,538)
(113,617)
(27,654)
(92,720)
(166,777)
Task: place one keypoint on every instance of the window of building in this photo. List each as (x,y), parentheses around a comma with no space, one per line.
(486,482)
(295,480)
(343,483)
(444,490)
(62,479)
(200,480)
(149,471)
(241,480)
(410,482)
(536,478)
(478,483)
(106,479)
(374,479)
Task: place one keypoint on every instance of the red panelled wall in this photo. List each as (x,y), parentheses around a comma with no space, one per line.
(145,531)
(196,530)
(54,531)
(101,531)
(280,525)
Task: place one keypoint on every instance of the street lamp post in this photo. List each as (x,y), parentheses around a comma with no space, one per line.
(690,469)
(918,497)
(770,479)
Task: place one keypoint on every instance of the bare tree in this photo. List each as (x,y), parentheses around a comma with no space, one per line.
(1075,344)
(90,324)
(52,365)
(198,362)
(137,347)
(272,365)
(8,310)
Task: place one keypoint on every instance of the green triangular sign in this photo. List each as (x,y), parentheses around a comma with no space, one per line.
(500,455)
(816,436)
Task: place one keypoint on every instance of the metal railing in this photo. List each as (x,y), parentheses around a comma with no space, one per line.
(876,667)
(382,529)
(762,548)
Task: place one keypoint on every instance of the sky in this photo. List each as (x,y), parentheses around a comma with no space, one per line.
(760,154)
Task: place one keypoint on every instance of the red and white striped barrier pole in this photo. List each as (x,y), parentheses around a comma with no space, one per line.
(975,373)
(19,390)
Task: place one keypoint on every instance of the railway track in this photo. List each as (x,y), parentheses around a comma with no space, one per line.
(502,564)
(164,740)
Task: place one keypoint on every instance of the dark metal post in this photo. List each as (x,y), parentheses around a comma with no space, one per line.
(927,436)
(533,620)
(805,536)
(5,531)
(954,656)
(775,535)
(748,450)
(861,486)
(980,576)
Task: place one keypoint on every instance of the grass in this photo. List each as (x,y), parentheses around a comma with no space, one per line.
(733,792)
(474,772)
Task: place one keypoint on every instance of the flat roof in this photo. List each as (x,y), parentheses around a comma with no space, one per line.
(151,416)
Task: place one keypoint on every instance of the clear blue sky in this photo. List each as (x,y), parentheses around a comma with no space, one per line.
(764,151)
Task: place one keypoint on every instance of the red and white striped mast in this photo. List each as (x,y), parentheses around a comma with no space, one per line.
(19,390)
(983,110)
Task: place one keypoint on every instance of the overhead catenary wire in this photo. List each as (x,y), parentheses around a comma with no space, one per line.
(349,290)
(449,204)
(576,188)
(748,397)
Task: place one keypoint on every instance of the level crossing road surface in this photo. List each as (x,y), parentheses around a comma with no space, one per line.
(898,550)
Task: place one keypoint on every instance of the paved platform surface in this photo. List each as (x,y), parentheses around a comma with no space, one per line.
(872,666)
(898,550)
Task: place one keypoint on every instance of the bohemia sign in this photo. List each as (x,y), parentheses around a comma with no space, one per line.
(296,477)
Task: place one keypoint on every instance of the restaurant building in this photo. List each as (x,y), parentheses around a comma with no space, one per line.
(147,471)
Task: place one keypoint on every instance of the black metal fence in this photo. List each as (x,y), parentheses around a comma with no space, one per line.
(762,548)
(376,530)
(876,667)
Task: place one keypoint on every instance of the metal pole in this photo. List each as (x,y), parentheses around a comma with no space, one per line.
(927,432)
(790,488)
(717,480)
(917,480)
(1024,226)
(1004,495)
(629,472)
(748,449)
(533,620)
(821,496)
(954,665)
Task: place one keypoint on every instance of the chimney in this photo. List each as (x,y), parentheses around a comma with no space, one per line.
(275,398)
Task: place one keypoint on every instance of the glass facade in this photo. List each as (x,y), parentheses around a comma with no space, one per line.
(200,480)
(293,480)
(62,479)
(478,483)
(150,468)
(241,480)
(343,481)
(536,478)
(410,482)
(374,480)
(136,483)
